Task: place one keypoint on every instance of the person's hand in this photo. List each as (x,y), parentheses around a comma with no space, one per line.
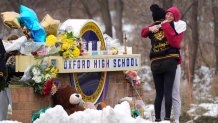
(1,74)
(165,21)
(154,28)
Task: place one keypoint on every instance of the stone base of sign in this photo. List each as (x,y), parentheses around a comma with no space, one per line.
(25,102)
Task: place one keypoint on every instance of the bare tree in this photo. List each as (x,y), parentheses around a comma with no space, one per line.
(105,12)
(215,15)
(86,7)
(187,10)
(15,4)
(195,37)
(118,20)
(167,4)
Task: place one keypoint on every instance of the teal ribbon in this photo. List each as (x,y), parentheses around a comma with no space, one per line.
(135,113)
(37,114)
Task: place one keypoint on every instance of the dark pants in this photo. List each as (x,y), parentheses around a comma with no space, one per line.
(164,74)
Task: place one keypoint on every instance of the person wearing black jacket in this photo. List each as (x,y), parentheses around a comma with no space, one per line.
(164,55)
(4,99)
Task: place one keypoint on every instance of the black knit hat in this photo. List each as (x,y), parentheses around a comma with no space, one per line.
(157,12)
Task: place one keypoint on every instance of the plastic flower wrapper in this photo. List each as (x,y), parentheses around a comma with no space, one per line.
(28,47)
(40,52)
(133,77)
(47,51)
(54,50)
(26,76)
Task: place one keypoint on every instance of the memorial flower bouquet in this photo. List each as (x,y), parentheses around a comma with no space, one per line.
(133,77)
(44,78)
(66,44)
(51,47)
(70,45)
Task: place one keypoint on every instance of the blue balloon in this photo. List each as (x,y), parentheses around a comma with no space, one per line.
(29,18)
(39,35)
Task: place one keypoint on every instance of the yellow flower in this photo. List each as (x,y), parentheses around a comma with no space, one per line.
(62,36)
(50,40)
(54,88)
(76,52)
(69,45)
(64,47)
(66,54)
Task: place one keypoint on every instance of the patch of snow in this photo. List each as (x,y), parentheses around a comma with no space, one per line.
(202,82)
(146,77)
(212,109)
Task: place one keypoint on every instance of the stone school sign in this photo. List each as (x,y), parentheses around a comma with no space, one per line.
(86,63)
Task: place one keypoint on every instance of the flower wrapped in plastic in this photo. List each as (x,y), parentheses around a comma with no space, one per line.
(51,47)
(133,77)
(44,78)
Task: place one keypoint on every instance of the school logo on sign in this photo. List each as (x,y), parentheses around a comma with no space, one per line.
(92,85)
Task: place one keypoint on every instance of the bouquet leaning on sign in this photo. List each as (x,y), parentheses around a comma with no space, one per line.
(42,77)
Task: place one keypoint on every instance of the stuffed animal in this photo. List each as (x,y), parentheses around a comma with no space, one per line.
(68,98)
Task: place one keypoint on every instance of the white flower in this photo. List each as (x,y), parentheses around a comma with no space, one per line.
(69,29)
(37,79)
(36,71)
(47,77)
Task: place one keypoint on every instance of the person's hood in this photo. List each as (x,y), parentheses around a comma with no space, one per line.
(176,13)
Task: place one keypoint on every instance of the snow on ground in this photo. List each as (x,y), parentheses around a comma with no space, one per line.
(146,77)
(202,82)
(209,109)
(119,114)
(212,109)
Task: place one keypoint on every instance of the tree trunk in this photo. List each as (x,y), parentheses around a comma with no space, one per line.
(215,14)
(86,7)
(195,38)
(118,20)
(105,12)
(167,4)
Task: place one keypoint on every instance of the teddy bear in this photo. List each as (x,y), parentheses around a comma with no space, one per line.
(68,97)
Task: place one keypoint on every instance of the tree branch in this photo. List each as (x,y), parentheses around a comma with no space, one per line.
(186,10)
(86,7)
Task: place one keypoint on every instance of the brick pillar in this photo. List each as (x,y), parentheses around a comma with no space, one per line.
(25,102)
(119,87)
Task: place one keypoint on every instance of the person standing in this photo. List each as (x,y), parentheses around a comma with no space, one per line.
(4,100)
(179,26)
(7,49)
(164,59)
